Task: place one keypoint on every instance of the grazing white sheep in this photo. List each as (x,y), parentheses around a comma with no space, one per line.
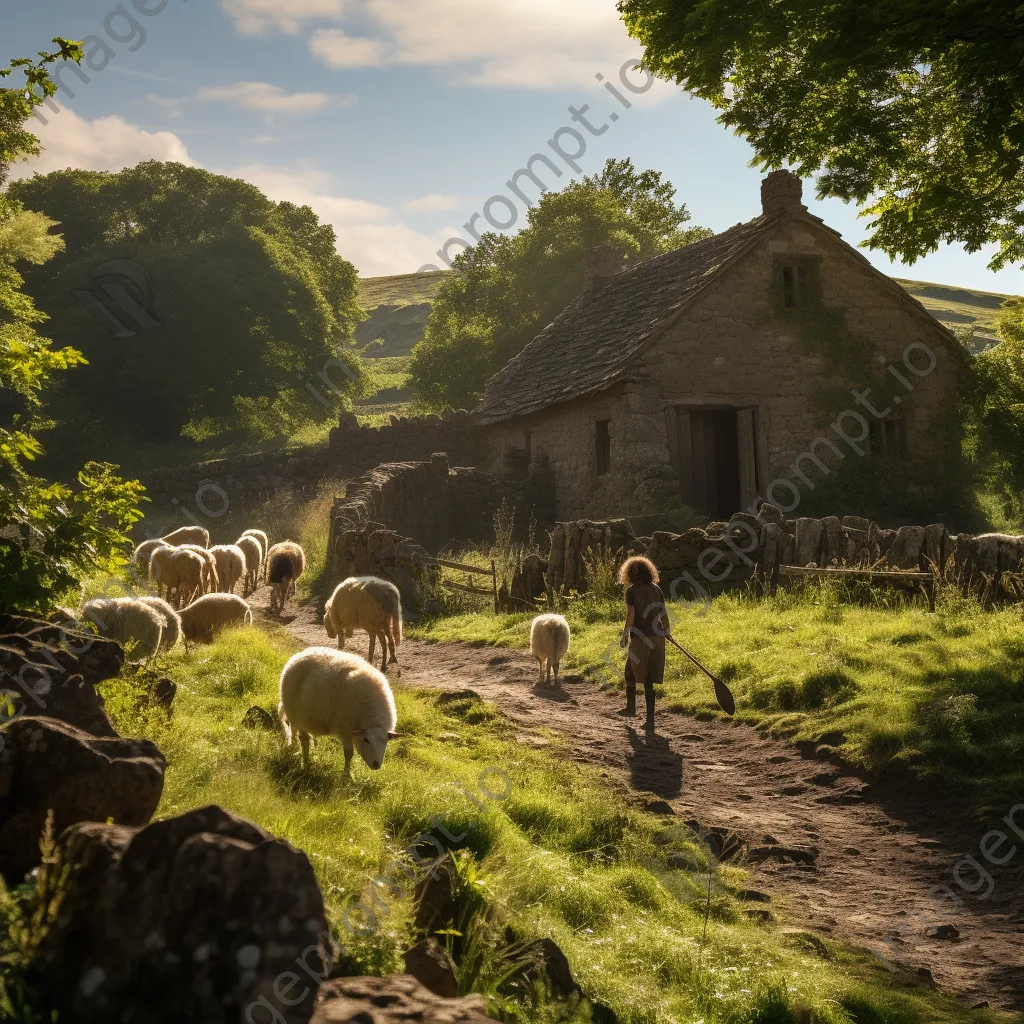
(286,563)
(180,571)
(172,621)
(366,602)
(189,535)
(211,582)
(549,640)
(231,565)
(334,693)
(250,548)
(133,624)
(201,619)
(264,546)
(144,552)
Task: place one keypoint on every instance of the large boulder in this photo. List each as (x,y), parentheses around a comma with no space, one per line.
(201,918)
(399,999)
(50,765)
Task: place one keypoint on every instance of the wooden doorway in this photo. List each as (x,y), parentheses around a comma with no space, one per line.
(716,459)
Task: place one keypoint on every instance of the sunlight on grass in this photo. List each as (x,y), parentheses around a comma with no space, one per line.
(561,855)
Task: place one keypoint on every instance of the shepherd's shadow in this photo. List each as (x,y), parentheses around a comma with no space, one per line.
(653,765)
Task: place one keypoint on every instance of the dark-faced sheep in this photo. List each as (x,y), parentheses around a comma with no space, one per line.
(286,563)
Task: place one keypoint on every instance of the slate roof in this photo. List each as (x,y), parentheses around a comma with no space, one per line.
(589,346)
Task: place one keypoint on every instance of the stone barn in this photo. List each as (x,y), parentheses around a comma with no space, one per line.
(749,364)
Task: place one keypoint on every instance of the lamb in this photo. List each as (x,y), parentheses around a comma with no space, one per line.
(231,565)
(172,621)
(286,563)
(211,582)
(189,535)
(549,640)
(334,693)
(201,619)
(179,570)
(264,547)
(133,624)
(250,548)
(366,602)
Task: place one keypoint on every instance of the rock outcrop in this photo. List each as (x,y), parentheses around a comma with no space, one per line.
(399,999)
(204,918)
(50,765)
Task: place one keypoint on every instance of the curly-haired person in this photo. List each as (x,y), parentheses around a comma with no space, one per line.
(644,633)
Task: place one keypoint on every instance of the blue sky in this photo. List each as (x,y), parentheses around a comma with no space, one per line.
(395,119)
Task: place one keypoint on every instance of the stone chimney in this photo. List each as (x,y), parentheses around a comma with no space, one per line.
(599,264)
(781,191)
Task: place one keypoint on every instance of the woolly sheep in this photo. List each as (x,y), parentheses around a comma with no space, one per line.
(211,582)
(286,563)
(172,621)
(201,619)
(549,640)
(366,602)
(250,548)
(264,547)
(133,624)
(144,552)
(231,565)
(179,570)
(334,693)
(189,535)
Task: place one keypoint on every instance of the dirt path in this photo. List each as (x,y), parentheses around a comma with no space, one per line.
(837,856)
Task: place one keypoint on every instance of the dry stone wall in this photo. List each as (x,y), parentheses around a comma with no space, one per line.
(729,553)
(246,480)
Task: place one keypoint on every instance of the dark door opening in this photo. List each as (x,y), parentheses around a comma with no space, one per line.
(716,459)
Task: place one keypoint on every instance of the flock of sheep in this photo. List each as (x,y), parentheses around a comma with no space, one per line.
(323,692)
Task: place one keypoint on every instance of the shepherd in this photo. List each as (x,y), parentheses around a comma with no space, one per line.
(647,626)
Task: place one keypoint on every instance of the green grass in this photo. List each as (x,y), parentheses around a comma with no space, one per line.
(958,307)
(563,856)
(942,694)
(399,289)
(388,391)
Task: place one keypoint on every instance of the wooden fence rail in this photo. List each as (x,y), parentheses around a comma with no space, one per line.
(926,579)
(466,588)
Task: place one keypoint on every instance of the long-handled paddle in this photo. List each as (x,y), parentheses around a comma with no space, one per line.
(726,701)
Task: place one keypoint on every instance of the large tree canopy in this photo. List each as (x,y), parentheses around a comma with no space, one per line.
(51,534)
(507,288)
(249,295)
(917,105)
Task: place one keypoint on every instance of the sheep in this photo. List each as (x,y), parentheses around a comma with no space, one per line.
(366,602)
(286,563)
(250,548)
(231,565)
(264,547)
(201,619)
(334,693)
(142,555)
(549,640)
(133,624)
(179,570)
(189,535)
(172,621)
(211,582)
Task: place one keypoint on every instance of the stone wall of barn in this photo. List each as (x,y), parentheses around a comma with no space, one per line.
(737,346)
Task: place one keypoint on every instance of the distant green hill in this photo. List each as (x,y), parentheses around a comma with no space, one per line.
(959,307)
(399,290)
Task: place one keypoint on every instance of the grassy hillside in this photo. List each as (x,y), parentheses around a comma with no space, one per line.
(959,307)
(563,856)
(400,289)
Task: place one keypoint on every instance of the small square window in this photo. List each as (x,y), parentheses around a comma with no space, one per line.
(887,439)
(603,445)
(794,286)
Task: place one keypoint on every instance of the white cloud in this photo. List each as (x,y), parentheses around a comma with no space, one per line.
(255,17)
(105,144)
(432,203)
(370,235)
(271,98)
(338,50)
(508,43)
